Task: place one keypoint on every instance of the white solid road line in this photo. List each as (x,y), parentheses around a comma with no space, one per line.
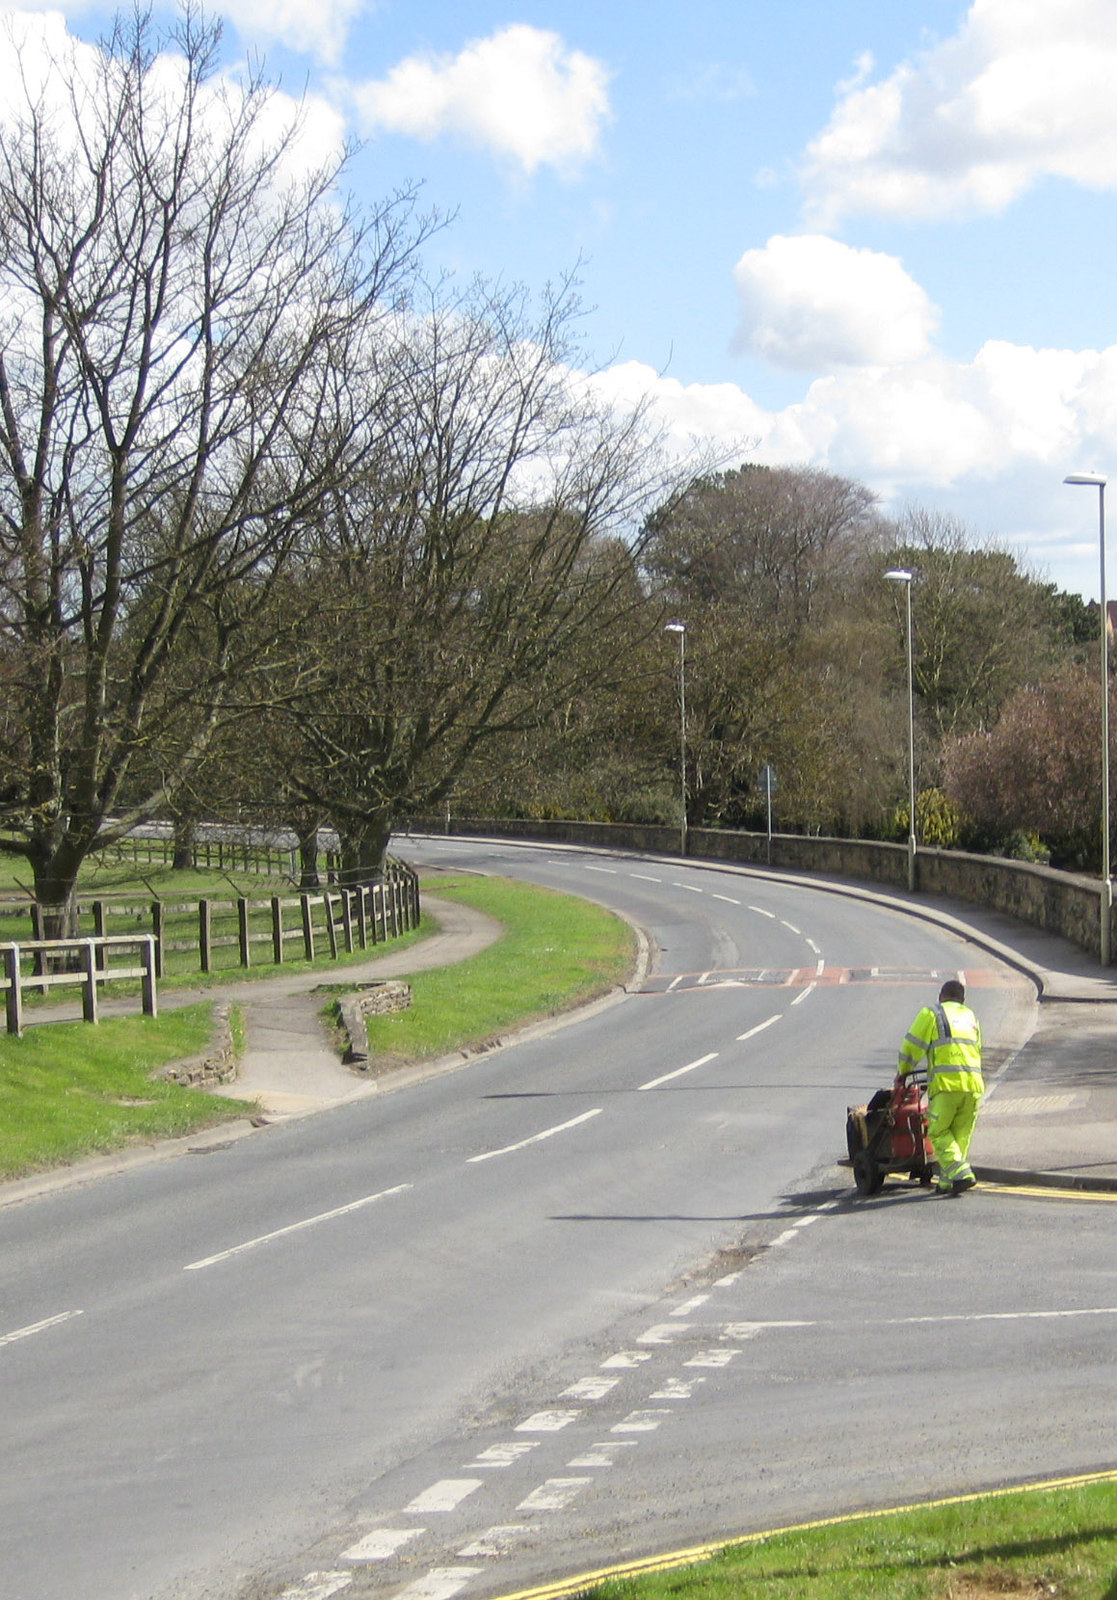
(296,1227)
(547,1133)
(39,1327)
(654,1083)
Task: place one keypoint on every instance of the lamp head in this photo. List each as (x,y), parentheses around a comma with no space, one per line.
(899,575)
(674,627)
(1093,480)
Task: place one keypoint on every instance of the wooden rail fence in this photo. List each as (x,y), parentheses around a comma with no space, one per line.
(212,934)
(87,962)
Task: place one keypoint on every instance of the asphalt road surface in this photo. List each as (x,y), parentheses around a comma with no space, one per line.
(600,1293)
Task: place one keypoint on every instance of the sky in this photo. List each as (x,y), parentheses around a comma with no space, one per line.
(871,238)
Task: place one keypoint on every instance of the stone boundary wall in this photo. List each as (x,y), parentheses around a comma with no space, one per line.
(1061,903)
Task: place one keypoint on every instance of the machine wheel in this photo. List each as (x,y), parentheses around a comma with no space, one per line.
(866,1174)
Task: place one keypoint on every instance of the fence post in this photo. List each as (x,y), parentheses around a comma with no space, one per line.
(204,929)
(362,925)
(99,930)
(308,926)
(242,932)
(277,929)
(347,919)
(331,931)
(14,997)
(157,925)
(89,986)
(150,966)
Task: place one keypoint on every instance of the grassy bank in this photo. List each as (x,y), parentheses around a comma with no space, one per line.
(69,1090)
(1059,1543)
(556,953)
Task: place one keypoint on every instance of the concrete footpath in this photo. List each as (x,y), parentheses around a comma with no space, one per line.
(1049,1116)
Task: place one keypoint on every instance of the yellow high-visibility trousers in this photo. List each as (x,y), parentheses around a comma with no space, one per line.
(950,1124)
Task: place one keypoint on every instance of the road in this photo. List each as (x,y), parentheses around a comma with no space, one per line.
(601,1292)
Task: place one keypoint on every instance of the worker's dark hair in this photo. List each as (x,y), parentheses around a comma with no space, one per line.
(953,989)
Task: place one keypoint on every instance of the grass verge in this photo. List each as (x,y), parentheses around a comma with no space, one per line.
(69,1090)
(556,953)
(1056,1542)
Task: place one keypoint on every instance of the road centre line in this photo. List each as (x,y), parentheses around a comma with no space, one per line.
(644,877)
(38,1327)
(536,1138)
(296,1227)
(760,911)
(728,898)
(609,871)
(688,886)
(654,1083)
(760,1027)
(803,993)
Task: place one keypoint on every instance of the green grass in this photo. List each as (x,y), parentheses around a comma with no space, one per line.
(1059,1543)
(556,952)
(69,1090)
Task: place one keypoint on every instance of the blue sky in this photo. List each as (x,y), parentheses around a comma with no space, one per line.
(873,238)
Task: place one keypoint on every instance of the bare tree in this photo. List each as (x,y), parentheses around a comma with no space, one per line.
(479,574)
(180,312)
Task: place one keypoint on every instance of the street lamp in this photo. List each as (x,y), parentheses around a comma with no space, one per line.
(901,575)
(680,629)
(1096,480)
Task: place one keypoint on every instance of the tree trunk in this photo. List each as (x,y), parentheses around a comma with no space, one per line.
(184,858)
(308,857)
(363,848)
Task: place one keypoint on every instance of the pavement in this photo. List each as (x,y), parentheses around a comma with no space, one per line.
(1049,1117)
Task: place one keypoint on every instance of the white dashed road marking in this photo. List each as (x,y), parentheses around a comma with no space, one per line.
(39,1327)
(553,1495)
(589,1389)
(381,1544)
(640,1422)
(537,1138)
(602,1455)
(318,1586)
(547,1421)
(654,1083)
(440,1583)
(760,1027)
(504,1455)
(446,1495)
(663,1333)
(297,1227)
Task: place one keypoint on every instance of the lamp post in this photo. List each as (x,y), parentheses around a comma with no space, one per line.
(680,629)
(1096,480)
(901,575)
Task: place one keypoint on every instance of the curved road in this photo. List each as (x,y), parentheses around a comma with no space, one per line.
(602,1292)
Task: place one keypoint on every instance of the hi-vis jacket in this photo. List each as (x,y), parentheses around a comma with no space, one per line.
(949,1036)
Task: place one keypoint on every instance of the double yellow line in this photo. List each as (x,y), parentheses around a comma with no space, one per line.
(706,1552)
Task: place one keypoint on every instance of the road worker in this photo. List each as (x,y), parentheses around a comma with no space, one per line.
(948,1036)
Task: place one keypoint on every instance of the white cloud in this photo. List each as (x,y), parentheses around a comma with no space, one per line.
(991,438)
(318,30)
(519,93)
(1023,91)
(37,53)
(810,302)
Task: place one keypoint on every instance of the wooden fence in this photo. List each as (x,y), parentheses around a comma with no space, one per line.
(87,962)
(212,934)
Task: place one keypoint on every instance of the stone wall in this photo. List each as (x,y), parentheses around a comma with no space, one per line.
(1061,903)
